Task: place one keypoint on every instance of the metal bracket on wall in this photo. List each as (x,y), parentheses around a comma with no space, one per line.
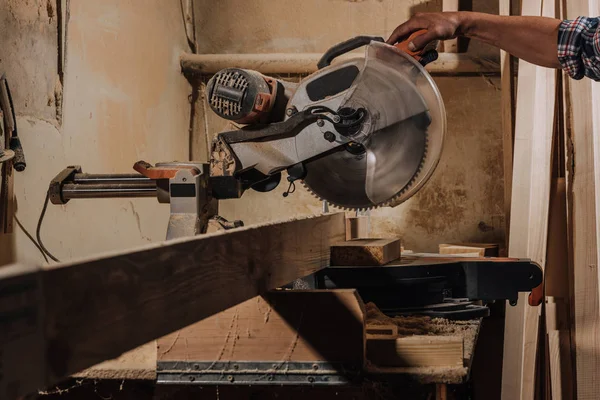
(255,373)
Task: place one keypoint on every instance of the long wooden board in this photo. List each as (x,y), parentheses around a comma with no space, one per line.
(58,320)
(583,195)
(281,326)
(529,211)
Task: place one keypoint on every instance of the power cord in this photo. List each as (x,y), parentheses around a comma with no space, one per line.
(39,228)
(26,232)
(38,243)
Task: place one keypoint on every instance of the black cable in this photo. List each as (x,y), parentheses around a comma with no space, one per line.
(39,228)
(26,232)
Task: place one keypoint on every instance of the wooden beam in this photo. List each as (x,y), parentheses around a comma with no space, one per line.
(481,249)
(306,63)
(416,351)
(529,211)
(583,195)
(507,87)
(280,327)
(58,320)
(365,252)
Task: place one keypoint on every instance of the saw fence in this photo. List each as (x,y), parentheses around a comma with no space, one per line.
(553,352)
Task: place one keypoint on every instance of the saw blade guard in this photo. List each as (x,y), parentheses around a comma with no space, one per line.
(404,130)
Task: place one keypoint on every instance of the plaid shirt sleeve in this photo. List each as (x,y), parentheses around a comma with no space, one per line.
(579,47)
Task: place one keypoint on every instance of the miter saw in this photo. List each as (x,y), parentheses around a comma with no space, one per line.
(359,134)
(363,133)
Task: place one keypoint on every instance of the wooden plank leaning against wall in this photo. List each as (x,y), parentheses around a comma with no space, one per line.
(529,210)
(582,110)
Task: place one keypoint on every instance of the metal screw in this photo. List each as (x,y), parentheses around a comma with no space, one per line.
(336,119)
(230,378)
(196,366)
(512,302)
(320,122)
(270,377)
(236,367)
(290,111)
(311,379)
(184,179)
(329,136)
(191,378)
(315,367)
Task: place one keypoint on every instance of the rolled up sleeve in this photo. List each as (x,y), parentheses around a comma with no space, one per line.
(579,47)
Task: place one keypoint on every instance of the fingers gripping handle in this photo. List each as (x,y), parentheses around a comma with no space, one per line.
(426,55)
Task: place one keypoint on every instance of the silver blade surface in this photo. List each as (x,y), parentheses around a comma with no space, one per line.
(394,157)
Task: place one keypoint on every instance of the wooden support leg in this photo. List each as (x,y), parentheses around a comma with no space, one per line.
(441,391)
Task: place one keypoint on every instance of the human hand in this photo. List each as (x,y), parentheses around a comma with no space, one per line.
(440,26)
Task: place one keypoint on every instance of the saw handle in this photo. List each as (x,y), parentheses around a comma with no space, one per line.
(423,56)
(345,47)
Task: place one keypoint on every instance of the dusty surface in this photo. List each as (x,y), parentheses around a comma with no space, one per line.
(422,325)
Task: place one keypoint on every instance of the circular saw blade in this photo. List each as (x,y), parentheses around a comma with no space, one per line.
(402,135)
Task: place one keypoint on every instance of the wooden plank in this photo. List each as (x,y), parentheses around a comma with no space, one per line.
(529,211)
(358,227)
(481,249)
(561,378)
(416,351)
(71,316)
(365,252)
(281,326)
(582,107)
(507,87)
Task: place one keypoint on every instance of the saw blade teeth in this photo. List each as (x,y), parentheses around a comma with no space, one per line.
(392,202)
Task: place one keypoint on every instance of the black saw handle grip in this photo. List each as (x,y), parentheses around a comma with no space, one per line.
(345,47)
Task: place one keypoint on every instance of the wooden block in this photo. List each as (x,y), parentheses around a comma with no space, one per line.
(297,325)
(416,351)
(358,227)
(98,308)
(481,249)
(365,252)
(381,331)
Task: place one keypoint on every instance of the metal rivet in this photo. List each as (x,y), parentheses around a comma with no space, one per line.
(315,367)
(311,379)
(230,378)
(236,367)
(196,366)
(191,378)
(329,136)
(184,179)
(320,122)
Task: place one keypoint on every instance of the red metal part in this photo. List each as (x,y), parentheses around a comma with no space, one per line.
(152,172)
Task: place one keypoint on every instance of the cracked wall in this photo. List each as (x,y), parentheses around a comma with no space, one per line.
(103,91)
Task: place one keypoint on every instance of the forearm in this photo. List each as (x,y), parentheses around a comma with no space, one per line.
(533,39)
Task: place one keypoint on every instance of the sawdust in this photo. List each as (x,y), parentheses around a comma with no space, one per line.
(423,325)
(407,326)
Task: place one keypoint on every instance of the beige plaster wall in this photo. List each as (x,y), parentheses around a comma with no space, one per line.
(122,98)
